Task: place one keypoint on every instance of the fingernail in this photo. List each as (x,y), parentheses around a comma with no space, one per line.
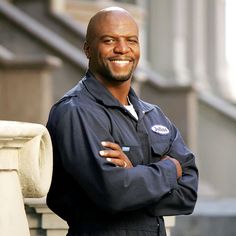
(108,159)
(102,153)
(103,143)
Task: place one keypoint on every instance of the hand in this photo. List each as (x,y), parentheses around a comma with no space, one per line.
(177,165)
(115,155)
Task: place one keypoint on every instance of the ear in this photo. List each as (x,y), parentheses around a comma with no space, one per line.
(86,49)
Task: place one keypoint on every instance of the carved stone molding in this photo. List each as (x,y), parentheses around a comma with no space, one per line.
(25,171)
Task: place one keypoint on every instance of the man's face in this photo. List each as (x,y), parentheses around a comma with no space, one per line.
(113,51)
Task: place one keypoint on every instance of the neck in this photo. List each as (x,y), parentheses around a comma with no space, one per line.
(120,92)
(119,89)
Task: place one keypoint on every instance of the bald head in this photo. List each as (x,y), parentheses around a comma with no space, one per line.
(104,16)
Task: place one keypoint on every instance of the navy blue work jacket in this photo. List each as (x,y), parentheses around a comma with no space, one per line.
(92,194)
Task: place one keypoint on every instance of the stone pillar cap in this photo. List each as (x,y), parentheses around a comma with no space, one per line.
(32,145)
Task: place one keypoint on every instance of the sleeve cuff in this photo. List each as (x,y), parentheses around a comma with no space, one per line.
(171,172)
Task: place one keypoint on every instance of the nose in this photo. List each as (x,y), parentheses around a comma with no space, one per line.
(121,47)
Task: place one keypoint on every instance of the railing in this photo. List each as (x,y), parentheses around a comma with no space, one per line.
(25,171)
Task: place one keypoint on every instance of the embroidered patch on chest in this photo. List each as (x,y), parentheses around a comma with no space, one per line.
(160,129)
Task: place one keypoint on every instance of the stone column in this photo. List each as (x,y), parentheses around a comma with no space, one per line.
(216,58)
(167,35)
(25,171)
(196,43)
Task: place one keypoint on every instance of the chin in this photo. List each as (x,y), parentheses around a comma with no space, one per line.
(121,77)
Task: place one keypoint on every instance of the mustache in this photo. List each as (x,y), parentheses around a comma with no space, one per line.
(121,58)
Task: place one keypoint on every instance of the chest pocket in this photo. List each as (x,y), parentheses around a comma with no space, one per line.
(159,149)
(134,153)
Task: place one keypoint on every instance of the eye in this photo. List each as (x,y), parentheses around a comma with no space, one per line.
(108,40)
(133,41)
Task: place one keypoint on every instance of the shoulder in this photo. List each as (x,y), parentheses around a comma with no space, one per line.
(151,109)
(77,107)
(155,117)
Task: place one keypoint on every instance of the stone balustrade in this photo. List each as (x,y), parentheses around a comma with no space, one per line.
(25,171)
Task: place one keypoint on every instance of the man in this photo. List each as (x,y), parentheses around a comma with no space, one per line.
(119,164)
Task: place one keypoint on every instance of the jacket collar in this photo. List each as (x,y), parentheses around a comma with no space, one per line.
(103,96)
(99,91)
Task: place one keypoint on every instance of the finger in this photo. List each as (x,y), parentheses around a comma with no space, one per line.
(111,145)
(109,153)
(117,162)
(165,157)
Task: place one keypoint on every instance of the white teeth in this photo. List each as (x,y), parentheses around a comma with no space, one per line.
(121,62)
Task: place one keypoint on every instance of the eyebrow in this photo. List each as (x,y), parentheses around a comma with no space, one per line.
(118,36)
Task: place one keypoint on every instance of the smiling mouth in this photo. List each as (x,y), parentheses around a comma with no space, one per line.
(120,62)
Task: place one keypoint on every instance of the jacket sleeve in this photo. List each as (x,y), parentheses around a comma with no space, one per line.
(77,136)
(182,199)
